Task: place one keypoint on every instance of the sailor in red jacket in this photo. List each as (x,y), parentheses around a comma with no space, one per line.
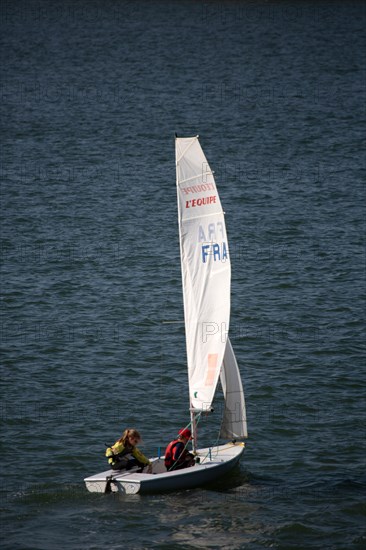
(176,454)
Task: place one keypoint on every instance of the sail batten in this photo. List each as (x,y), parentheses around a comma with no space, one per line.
(203,216)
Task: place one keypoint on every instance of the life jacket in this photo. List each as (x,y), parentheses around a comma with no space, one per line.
(112,453)
(169,460)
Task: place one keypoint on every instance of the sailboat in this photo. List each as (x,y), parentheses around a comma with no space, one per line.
(206,277)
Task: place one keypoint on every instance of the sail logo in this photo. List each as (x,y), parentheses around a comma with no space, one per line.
(214,250)
(213,242)
(201,202)
(198,188)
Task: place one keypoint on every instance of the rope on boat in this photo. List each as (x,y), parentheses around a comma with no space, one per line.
(185,446)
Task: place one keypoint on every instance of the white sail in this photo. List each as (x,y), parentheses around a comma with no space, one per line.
(205,271)
(234,423)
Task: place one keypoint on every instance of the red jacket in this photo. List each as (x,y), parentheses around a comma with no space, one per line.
(175,454)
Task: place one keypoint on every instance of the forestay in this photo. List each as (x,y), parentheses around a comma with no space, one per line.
(205,271)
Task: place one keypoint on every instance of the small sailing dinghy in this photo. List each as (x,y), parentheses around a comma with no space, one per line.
(206,276)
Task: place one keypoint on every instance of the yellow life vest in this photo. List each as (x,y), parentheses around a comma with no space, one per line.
(118,450)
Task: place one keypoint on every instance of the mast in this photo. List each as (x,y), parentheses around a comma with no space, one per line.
(192,411)
(194,430)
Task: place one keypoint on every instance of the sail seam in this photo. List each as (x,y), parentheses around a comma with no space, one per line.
(202,216)
(194,177)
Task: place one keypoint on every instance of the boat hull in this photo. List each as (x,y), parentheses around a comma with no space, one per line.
(214,462)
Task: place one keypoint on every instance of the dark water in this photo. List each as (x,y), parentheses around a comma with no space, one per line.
(92,95)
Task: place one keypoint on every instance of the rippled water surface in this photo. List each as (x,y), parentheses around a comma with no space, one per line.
(92,333)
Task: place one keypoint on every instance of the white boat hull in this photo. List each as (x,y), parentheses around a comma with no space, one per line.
(214,462)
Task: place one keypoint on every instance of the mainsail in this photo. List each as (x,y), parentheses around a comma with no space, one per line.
(205,271)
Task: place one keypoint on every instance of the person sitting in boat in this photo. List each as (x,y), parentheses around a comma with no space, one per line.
(124,454)
(176,454)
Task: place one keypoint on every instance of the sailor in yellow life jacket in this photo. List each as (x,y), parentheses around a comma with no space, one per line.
(124,454)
